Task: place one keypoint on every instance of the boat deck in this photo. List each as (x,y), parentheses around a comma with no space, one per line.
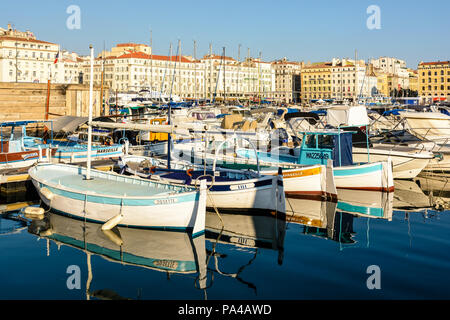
(106,186)
(104,183)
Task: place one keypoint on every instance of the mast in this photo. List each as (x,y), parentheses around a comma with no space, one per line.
(248,61)
(356,82)
(91,87)
(239,69)
(179,71)
(169,137)
(224,74)
(259,77)
(151,63)
(195,71)
(210,72)
(101,90)
(165,71)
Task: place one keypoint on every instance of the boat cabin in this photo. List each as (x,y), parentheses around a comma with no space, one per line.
(319,146)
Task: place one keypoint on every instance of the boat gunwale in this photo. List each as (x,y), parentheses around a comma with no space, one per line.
(91,193)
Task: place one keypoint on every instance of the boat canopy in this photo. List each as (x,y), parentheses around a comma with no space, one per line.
(69,124)
(347,115)
(312,118)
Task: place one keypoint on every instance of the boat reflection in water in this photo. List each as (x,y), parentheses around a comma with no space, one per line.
(409,196)
(366,203)
(334,221)
(320,218)
(437,188)
(166,251)
(244,231)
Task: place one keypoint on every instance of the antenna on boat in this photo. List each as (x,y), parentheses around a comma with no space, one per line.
(91,86)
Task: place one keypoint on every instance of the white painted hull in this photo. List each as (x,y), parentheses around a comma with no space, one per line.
(166,211)
(20,164)
(239,195)
(313,182)
(406,165)
(370,177)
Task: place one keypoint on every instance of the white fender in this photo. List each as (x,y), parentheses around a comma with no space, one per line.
(111,223)
(47,193)
(34,212)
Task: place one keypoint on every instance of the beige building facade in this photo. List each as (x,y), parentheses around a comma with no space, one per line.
(287,80)
(434,80)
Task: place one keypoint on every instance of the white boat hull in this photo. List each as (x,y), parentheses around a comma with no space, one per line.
(265,193)
(406,165)
(166,211)
(375,176)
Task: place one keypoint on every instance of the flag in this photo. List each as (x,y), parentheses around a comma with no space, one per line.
(56,58)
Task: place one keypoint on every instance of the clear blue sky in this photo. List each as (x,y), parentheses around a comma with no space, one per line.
(299,30)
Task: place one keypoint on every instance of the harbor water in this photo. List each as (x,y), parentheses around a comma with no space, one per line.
(366,246)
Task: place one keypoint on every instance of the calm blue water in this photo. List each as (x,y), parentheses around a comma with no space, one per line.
(316,252)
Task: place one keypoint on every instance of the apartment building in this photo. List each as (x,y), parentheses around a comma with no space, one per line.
(352,80)
(394,67)
(287,80)
(23,58)
(213,76)
(434,80)
(316,82)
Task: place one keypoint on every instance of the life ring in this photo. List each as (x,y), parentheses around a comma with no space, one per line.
(153,169)
(189,172)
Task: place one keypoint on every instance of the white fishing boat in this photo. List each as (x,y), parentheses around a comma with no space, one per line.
(128,201)
(407,162)
(14,154)
(322,145)
(313,181)
(113,199)
(227,189)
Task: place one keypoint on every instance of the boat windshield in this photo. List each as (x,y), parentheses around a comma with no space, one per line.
(324,141)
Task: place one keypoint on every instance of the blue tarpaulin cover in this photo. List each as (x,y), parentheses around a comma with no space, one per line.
(346,155)
(395,112)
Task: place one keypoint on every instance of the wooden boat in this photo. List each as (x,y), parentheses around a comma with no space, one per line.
(317,147)
(74,152)
(302,181)
(230,190)
(14,153)
(133,202)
